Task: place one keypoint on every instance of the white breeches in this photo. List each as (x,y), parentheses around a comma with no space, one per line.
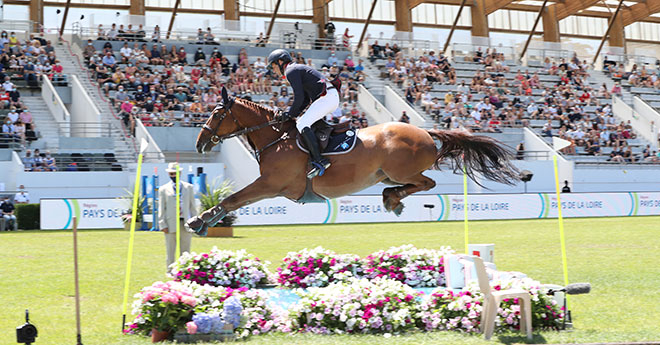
(318,109)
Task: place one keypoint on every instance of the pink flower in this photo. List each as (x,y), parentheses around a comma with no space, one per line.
(191,301)
(191,327)
(170,298)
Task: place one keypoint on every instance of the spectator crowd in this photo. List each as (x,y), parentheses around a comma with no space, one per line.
(24,62)
(164,85)
(498,95)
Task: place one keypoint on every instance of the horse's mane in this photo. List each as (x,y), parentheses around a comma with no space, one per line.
(256,107)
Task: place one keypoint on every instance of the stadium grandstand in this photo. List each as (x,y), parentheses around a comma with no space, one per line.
(84,82)
(274,143)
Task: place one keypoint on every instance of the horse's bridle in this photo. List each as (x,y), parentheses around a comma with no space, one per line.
(215,139)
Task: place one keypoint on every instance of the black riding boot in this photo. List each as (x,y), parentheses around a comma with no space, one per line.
(319,163)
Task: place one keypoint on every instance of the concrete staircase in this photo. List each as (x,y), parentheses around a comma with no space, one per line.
(599,77)
(374,83)
(125,148)
(45,124)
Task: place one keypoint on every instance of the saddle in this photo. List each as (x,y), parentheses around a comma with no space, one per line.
(334,139)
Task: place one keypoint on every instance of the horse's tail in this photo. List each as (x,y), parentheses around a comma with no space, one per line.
(476,154)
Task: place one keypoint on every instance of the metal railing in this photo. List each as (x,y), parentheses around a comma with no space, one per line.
(88,129)
(13,143)
(283,40)
(468,49)
(540,54)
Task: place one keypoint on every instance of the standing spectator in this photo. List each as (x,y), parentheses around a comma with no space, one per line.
(346,40)
(22,197)
(8,208)
(155,36)
(566,188)
(167,216)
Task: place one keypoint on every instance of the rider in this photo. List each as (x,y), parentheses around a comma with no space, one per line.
(309,88)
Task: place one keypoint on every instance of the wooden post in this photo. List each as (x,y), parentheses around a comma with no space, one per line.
(453,26)
(320,15)
(66,13)
(607,32)
(366,23)
(272,19)
(550,24)
(176,7)
(531,33)
(616,34)
(479,19)
(231,10)
(403,16)
(75,281)
(137,8)
(37,13)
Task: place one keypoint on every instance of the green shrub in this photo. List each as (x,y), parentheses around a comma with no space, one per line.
(27,216)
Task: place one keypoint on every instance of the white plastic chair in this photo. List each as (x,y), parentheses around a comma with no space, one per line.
(492,301)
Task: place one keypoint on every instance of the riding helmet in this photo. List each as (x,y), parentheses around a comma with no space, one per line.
(279,54)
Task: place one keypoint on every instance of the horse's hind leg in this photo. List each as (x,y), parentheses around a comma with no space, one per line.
(392,196)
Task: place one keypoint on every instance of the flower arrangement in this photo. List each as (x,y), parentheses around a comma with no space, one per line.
(316,268)
(407,264)
(162,306)
(215,322)
(546,314)
(221,268)
(359,306)
(257,316)
(446,310)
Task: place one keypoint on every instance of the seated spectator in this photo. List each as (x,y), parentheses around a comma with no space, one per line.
(22,197)
(7,208)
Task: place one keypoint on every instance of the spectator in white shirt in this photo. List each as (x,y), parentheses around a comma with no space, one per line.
(125,52)
(22,197)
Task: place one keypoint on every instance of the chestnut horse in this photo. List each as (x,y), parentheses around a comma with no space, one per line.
(393,153)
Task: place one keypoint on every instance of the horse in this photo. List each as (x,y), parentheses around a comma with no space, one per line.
(394,153)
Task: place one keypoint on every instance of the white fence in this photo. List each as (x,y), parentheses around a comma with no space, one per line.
(373,107)
(153,153)
(54,102)
(83,110)
(397,105)
(646,121)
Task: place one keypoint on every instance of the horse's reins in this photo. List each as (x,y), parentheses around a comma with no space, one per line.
(215,139)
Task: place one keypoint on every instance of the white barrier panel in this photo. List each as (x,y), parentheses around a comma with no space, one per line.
(419,208)
(57,214)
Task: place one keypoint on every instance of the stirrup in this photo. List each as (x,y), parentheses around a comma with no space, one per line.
(318,168)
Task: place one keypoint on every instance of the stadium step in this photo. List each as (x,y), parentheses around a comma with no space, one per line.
(125,148)
(44,121)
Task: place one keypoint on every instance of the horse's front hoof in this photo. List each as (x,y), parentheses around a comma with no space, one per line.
(197,225)
(398,209)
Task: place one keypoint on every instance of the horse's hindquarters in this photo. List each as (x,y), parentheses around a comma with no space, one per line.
(396,151)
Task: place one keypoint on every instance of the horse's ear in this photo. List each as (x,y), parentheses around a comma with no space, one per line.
(225,96)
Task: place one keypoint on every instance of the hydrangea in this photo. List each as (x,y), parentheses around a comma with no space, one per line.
(231,311)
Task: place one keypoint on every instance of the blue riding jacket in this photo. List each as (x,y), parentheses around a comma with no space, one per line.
(308,85)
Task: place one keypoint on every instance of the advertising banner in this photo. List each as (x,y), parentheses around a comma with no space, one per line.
(57,214)
(444,207)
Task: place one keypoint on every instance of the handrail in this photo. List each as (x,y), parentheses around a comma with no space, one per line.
(153,153)
(224,37)
(54,103)
(373,107)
